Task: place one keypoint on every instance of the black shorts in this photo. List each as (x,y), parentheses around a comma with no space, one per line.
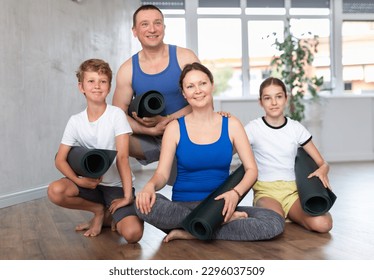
(105,195)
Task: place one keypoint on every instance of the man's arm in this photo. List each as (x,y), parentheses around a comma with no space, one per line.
(122,97)
(186,56)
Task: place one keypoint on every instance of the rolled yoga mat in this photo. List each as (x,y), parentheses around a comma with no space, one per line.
(314,197)
(207,216)
(148,104)
(92,163)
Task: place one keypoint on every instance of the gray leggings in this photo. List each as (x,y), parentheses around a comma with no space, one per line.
(261,224)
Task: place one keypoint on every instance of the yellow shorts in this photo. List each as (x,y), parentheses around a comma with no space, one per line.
(285,192)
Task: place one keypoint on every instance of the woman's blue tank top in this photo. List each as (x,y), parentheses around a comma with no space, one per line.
(201,167)
(165,82)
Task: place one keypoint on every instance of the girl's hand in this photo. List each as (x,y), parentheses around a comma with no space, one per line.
(321,173)
(224,114)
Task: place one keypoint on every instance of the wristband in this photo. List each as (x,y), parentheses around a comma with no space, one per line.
(237,193)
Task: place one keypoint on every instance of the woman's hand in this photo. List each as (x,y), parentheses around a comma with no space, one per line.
(145,200)
(231,201)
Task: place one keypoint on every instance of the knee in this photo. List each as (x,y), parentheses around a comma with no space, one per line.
(321,224)
(132,233)
(55,191)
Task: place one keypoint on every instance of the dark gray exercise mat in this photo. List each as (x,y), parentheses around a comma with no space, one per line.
(314,197)
(207,216)
(92,163)
(148,104)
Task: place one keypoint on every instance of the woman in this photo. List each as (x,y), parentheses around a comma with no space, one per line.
(203,142)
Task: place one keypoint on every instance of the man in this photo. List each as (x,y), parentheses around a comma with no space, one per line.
(156,67)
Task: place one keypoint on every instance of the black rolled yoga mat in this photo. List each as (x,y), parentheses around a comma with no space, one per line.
(92,163)
(314,197)
(207,216)
(148,104)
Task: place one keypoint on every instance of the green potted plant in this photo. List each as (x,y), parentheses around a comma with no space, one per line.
(295,58)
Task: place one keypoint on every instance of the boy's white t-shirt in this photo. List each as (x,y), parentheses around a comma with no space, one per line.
(99,134)
(275,148)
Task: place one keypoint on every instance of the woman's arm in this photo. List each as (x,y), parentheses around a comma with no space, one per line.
(146,198)
(242,146)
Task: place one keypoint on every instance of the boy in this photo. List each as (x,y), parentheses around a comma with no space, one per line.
(99,126)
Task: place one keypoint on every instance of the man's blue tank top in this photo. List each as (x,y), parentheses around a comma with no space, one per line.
(166,82)
(201,167)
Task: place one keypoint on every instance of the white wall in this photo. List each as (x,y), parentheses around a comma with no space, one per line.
(42,44)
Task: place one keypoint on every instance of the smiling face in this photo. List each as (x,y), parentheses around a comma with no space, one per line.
(149,27)
(274,100)
(95,86)
(197,88)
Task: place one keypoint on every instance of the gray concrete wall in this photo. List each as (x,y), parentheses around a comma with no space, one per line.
(42,44)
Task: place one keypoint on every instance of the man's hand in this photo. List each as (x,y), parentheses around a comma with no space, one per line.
(148,121)
(156,125)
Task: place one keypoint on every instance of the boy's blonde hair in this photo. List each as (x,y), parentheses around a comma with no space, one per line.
(94,65)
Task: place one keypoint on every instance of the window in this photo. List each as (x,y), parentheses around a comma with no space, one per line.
(175,31)
(221,52)
(261,35)
(306,28)
(358,58)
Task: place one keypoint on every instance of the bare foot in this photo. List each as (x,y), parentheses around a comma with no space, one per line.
(237,215)
(178,234)
(95,226)
(108,222)
(83,226)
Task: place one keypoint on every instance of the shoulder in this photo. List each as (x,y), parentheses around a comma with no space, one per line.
(234,121)
(171,132)
(76,121)
(254,123)
(115,110)
(173,126)
(126,67)
(294,123)
(235,126)
(186,56)
(78,116)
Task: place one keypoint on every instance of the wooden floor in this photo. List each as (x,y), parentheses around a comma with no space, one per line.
(39,230)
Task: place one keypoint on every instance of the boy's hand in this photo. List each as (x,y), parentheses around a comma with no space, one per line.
(89,183)
(120,202)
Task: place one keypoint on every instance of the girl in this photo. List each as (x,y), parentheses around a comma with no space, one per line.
(275,140)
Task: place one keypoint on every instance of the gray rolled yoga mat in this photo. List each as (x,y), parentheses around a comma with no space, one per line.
(148,104)
(92,163)
(207,216)
(314,197)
